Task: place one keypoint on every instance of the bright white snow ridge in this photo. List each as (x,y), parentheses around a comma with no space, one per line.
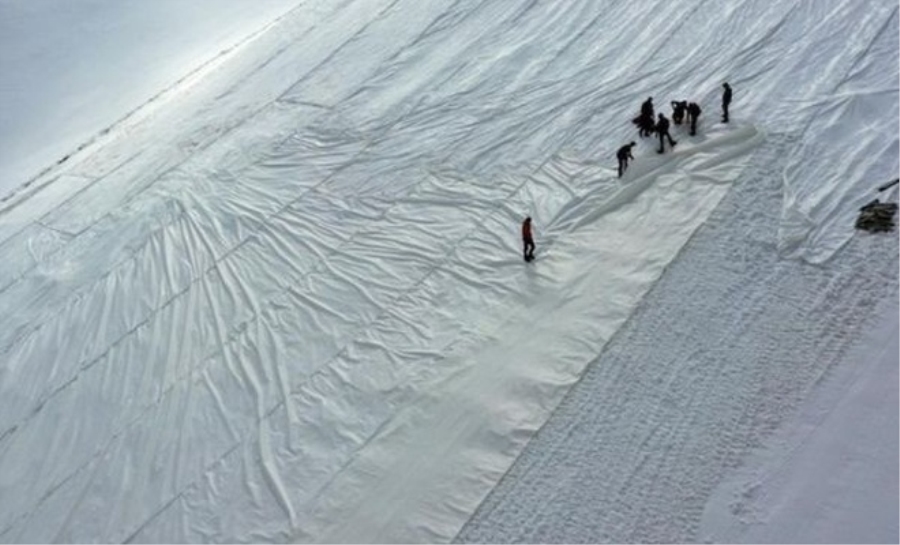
(280,297)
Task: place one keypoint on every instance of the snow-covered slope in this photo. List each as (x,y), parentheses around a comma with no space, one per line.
(828,475)
(72,69)
(284,300)
(684,428)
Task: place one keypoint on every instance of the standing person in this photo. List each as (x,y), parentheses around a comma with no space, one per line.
(646,123)
(693,111)
(647,108)
(527,240)
(646,126)
(726,101)
(678,109)
(623,155)
(662,129)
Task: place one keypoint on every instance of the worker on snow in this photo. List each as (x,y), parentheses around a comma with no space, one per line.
(726,101)
(693,113)
(645,120)
(678,109)
(623,155)
(647,108)
(527,240)
(662,129)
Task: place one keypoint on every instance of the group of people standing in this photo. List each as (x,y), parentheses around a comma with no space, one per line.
(682,111)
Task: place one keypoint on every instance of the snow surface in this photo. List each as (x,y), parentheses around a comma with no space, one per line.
(274,292)
(825,471)
(72,69)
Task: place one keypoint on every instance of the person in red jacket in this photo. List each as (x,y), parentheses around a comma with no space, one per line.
(527,239)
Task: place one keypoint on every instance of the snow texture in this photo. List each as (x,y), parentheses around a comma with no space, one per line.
(283,299)
(73,69)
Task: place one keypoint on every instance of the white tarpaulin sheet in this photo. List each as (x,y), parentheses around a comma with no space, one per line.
(287,301)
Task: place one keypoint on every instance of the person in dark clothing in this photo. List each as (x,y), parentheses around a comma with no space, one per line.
(647,108)
(693,112)
(623,155)
(662,129)
(678,109)
(646,126)
(645,120)
(726,101)
(527,240)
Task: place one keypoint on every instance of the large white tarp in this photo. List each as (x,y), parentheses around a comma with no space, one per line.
(287,302)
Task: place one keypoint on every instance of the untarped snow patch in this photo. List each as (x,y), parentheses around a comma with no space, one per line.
(829,475)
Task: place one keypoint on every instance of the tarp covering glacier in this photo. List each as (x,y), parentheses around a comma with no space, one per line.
(285,300)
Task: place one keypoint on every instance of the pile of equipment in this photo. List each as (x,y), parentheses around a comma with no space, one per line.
(877,217)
